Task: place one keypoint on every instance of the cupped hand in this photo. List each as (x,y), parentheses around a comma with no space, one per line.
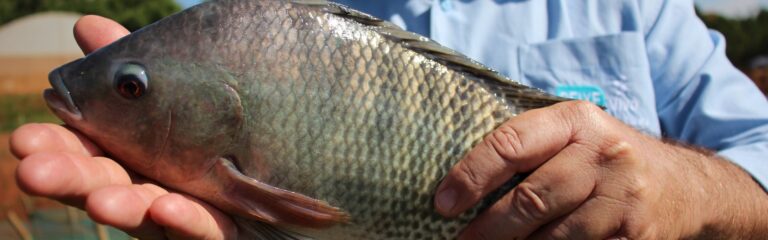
(60,163)
(595,178)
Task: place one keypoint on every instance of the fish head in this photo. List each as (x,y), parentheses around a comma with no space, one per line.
(162,111)
(165,102)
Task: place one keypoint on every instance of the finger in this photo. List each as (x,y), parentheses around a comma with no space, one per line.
(188,218)
(597,218)
(36,137)
(67,177)
(553,190)
(93,32)
(604,213)
(519,145)
(126,208)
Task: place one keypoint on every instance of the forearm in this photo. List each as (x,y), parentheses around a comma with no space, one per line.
(733,204)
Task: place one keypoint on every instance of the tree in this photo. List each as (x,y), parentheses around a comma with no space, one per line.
(745,39)
(133,14)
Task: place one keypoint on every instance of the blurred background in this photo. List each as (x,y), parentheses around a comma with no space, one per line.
(36,36)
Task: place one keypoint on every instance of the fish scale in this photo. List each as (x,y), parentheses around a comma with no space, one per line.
(301,119)
(381,98)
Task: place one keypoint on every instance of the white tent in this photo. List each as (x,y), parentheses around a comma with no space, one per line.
(41,34)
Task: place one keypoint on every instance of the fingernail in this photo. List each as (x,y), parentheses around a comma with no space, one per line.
(446,200)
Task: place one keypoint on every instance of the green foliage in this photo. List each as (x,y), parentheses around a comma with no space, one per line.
(745,38)
(133,14)
(16,110)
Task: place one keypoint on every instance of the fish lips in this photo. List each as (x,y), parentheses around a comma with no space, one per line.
(59,98)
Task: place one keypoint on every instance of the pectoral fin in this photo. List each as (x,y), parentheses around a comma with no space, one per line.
(253,199)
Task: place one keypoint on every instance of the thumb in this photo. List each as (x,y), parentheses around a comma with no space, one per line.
(93,32)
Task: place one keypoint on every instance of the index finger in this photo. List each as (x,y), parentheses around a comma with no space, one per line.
(93,32)
(46,137)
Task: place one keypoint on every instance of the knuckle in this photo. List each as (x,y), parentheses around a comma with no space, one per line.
(581,108)
(583,115)
(527,205)
(562,231)
(472,178)
(638,188)
(616,150)
(506,142)
(640,229)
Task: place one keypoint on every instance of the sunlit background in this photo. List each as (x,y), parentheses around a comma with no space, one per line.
(36,36)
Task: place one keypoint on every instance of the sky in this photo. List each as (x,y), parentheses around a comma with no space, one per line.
(727,8)
(187,3)
(732,8)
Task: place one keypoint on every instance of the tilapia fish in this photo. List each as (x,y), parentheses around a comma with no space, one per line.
(301,119)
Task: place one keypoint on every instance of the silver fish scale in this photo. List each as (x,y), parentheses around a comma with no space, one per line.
(340,113)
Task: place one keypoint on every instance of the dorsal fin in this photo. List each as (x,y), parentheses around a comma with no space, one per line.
(521,95)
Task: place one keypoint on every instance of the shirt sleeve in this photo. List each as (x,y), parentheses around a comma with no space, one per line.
(701,98)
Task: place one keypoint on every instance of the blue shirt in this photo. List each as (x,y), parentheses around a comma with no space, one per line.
(652,63)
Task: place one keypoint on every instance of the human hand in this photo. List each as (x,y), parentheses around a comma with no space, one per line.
(60,163)
(596,178)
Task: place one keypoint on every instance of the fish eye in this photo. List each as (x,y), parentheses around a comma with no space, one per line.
(131,80)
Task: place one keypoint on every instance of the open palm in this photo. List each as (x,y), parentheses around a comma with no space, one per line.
(60,163)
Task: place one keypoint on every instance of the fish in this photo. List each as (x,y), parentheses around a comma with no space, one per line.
(301,119)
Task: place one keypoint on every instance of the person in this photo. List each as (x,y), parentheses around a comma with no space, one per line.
(679,151)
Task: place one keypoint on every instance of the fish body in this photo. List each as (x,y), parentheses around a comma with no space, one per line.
(298,118)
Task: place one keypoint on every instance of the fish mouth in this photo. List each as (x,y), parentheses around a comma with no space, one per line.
(59,98)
